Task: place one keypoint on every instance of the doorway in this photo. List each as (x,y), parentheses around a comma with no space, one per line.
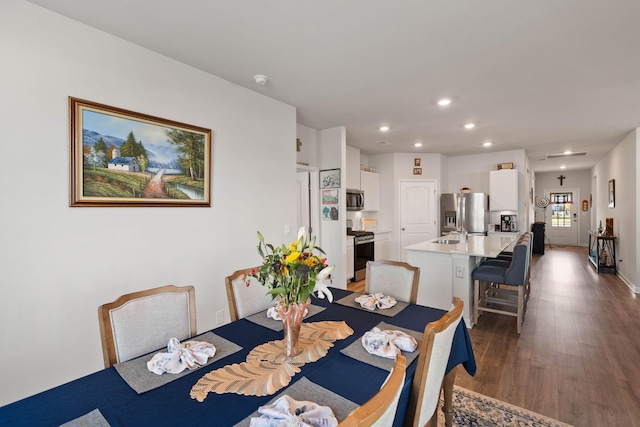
(418,209)
(593,201)
(561,216)
(307,202)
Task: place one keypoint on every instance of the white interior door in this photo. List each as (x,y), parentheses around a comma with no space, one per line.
(302,201)
(417,213)
(561,226)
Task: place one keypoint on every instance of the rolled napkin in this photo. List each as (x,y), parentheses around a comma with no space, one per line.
(373,301)
(289,412)
(272,313)
(189,354)
(388,343)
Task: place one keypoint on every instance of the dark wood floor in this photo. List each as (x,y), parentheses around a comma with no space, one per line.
(578,357)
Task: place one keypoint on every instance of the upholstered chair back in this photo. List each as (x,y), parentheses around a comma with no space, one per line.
(380,410)
(394,278)
(432,363)
(141,322)
(245,300)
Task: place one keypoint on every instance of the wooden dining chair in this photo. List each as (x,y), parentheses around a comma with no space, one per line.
(380,410)
(245,300)
(394,278)
(144,321)
(432,363)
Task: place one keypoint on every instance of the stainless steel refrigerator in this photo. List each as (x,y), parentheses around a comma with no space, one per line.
(473,209)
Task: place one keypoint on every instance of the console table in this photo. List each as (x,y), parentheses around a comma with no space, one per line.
(602,251)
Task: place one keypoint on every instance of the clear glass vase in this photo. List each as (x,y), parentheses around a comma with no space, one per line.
(292,317)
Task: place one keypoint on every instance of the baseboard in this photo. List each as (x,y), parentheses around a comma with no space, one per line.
(630,285)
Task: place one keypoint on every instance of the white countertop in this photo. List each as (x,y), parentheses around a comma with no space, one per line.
(482,246)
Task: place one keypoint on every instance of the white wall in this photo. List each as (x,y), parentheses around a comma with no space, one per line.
(308,153)
(473,171)
(621,164)
(60,263)
(392,169)
(580,179)
(333,234)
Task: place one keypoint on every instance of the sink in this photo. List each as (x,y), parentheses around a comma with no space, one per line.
(447,242)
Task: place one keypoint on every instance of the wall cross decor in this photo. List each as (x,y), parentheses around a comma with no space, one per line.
(562,178)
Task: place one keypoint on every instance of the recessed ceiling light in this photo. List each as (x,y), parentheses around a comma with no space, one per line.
(384,128)
(418,144)
(563,167)
(487,144)
(469,125)
(444,102)
(567,152)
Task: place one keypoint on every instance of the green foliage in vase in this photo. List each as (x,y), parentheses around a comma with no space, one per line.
(293,273)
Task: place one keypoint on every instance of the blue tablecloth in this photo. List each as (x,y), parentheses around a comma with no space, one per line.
(172,405)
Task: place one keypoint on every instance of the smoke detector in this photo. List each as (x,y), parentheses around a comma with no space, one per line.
(260,79)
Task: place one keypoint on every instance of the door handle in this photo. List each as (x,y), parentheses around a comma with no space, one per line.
(402,228)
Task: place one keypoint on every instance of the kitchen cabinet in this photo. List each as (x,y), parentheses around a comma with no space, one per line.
(370,184)
(353,168)
(381,246)
(350,259)
(503,190)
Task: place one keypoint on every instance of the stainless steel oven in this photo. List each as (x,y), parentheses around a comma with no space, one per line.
(363,248)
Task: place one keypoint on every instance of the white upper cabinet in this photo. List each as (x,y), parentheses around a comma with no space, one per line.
(370,184)
(353,168)
(503,190)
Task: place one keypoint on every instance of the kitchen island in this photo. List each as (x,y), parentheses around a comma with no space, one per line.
(446,265)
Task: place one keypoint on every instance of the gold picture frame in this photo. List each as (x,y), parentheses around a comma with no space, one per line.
(122,158)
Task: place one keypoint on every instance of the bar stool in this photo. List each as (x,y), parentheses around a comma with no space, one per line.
(489,293)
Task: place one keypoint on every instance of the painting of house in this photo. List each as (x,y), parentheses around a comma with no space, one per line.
(129,164)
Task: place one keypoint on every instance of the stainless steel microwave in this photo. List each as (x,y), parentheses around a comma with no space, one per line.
(355,200)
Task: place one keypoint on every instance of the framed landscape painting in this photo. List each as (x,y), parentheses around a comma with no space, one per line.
(124,158)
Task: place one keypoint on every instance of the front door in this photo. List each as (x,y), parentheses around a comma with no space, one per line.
(561,226)
(417,213)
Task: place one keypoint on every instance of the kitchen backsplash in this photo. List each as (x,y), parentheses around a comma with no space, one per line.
(360,222)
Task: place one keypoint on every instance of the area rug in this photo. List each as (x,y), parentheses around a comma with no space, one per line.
(477,410)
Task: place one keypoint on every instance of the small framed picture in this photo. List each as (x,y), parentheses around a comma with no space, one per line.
(329,197)
(330,178)
(612,193)
(417,161)
(417,171)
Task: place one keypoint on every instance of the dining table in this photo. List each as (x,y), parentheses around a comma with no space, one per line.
(339,372)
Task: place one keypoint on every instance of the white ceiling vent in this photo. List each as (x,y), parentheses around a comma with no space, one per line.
(555,156)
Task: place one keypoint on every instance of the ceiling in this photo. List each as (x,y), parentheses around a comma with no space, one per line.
(545,76)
